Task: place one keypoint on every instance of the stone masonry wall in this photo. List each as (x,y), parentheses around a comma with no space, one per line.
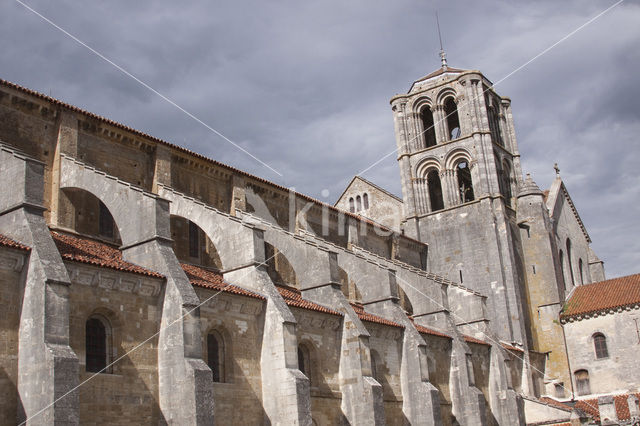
(11,264)
(616,372)
(129,390)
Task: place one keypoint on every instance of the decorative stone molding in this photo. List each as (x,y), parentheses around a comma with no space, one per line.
(11,260)
(228,303)
(322,321)
(382,331)
(113,280)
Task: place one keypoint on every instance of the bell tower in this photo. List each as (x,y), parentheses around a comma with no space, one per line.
(460,170)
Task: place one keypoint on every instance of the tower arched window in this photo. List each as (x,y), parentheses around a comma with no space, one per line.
(428,127)
(97,344)
(493,112)
(453,121)
(358,203)
(505,182)
(215,356)
(352,205)
(582,382)
(573,281)
(465,184)
(365,201)
(600,345)
(435,190)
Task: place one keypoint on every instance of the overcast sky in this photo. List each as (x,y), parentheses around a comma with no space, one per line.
(305,86)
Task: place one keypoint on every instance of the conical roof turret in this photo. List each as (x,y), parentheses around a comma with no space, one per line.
(529,187)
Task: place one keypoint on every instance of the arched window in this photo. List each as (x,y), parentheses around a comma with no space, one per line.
(194,240)
(465,184)
(582,382)
(376,366)
(365,201)
(215,356)
(581,269)
(600,344)
(435,190)
(304,362)
(428,128)
(564,278)
(352,205)
(505,182)
(453,122)
(573,281)
(97,345)
(105,222)
(358,203)
(559,390)
(493,111)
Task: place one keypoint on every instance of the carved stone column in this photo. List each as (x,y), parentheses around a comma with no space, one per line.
(439,123)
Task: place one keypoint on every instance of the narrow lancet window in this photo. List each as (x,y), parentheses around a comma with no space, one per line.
(365,201)
(194,240)
(105,222)
(215,356)
(465,184)
(435,190)
(96,345)
(573,281)
(453,121)
(600,344)
(505,182)
(428,128)
(304,363)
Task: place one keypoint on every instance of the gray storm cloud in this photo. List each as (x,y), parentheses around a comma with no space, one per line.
(305,86)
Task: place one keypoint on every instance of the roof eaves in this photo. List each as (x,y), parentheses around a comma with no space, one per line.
(10,243)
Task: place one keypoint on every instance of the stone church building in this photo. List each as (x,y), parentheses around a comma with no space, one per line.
(142,283)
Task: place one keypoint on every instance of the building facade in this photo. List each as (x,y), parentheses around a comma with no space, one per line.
(148,284)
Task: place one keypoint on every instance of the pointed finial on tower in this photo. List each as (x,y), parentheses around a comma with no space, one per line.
(557,169)
(443,56)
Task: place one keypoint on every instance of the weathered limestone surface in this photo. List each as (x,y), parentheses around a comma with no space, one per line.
(241,250)
(47,366)
(185,389)
(498,268)
(317,272)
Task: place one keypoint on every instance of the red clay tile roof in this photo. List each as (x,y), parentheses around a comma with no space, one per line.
(293,297)
(86,250)
(201,277)
(189,152)
(590,406)
(470,339)
(426,330)
(511,348)
(366,316)
(8,242)
(602,296)
(554,403)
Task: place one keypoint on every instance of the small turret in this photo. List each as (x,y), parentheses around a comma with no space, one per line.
(529,187)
